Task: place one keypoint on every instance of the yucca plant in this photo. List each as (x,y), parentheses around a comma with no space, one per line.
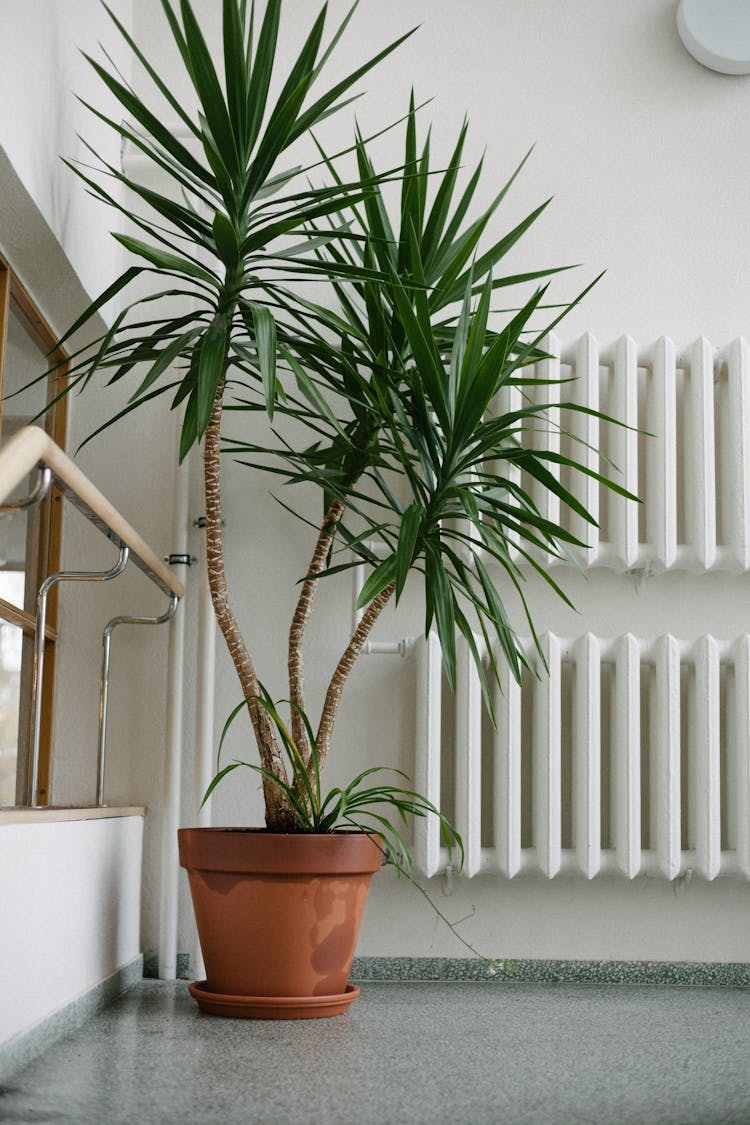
(420,371)
(393,374)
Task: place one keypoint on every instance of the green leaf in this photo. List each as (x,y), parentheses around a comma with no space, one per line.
(225,237)
(440,208)
(458,351)
(219,777)
(167,356)
(309,119)
(107,295)
(496,613)
(303,70)
(189,431)
(211,370)
(441,596)
(264,332)
(257,90)
(166,261)
(208,88)
(235,73)
(381,577)
(275,139)
(310,391)
(411,524)
(474,343)
(418,329)
(152,73)
(152,125)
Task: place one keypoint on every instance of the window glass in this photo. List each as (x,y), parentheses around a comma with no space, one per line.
(29,540)
(11,641)
(24,361)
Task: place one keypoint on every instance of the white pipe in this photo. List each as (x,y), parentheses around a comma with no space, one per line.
(173,750)
(204,719)
(388,648)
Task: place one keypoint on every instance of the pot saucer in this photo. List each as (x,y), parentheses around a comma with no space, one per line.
(271,1007)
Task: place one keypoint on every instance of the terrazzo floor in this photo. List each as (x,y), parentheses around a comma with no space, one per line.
(461,1052)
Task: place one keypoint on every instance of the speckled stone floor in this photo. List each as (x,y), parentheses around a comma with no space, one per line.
(462,1052)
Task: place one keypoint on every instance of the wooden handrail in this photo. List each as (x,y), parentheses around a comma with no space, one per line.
(30,448)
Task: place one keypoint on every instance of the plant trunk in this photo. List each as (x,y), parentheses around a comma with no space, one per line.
(279,816)
(344,667)
(299,624)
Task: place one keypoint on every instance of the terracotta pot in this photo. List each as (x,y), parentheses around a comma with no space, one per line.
(278,918)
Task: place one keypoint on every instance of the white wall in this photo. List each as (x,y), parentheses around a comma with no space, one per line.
(41,75)
(70,896)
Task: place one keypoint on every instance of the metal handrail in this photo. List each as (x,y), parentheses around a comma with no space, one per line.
(104,681)
(39,492)
(39,638)
(30,449)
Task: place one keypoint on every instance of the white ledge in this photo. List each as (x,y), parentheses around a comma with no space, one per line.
(50,815)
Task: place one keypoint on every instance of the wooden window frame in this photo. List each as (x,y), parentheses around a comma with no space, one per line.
(47,539)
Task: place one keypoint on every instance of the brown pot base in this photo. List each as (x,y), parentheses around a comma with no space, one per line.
(271,1007)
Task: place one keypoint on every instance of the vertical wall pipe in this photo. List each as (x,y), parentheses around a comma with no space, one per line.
(173,752)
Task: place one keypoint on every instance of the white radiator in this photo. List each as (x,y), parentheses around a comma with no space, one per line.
(630,755)
(693,474)
(633,754)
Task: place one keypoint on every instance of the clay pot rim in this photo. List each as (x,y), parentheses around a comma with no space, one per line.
(256,850)
(267,831)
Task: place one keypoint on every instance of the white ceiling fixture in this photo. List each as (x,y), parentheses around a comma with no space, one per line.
(717,33)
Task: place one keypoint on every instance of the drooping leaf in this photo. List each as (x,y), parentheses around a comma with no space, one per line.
(264,327)
(411,522)
(225,237)
(166,358)
(211,370)
(381,577)
(166,261)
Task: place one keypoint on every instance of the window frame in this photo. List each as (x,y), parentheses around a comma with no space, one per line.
(46,540)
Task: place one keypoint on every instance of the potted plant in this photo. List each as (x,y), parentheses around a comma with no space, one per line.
(392,378)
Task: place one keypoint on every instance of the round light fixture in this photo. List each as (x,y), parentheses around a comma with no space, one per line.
(717,33)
